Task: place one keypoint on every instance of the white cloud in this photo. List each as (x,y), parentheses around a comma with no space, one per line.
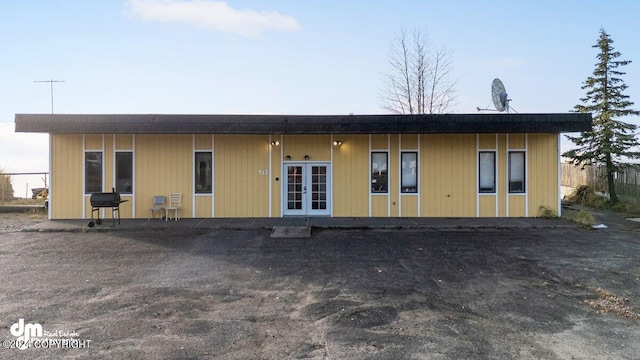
(212,14)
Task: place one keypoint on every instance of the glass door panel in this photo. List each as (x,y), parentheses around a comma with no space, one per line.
(307,189)
(318,187)
(294,187)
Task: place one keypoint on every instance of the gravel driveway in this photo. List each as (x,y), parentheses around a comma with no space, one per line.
(340,294)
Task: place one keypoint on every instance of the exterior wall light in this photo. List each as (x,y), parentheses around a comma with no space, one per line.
(275,143)
(337,143)
(306,157)
(288,157)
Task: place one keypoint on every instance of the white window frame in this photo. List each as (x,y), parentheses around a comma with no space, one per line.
(417,167)
(115,172)
(495,172)
(385,192)
(84,171)
(524,172)
(195,190)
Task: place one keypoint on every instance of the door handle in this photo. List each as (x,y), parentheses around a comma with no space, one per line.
(304,189)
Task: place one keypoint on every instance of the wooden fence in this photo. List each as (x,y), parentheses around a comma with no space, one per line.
(627,181)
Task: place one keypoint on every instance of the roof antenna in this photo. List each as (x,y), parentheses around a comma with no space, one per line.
(50,83)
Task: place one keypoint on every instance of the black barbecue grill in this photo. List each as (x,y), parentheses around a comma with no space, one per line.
(105,200)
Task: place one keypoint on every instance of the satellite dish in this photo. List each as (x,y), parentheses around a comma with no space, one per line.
(499,95)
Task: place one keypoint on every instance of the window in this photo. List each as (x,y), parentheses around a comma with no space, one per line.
(379,172)
(409,173)
(487,171)
(124,172)
(92,172)
(203,172)
(516,172)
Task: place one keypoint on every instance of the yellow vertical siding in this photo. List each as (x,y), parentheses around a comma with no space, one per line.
(87,209)
(126,208)
(487,205)
(203,206)
(202,142)
(124,142)
(317,147)
(66,176)
(394,176)
(409,205)
(163,165)
(379,205)
(448,165)
(351,176)
(542,169)
(93,142)
(241,179)
(379,142)
(409,141)
(487,141)
(109,163)
(517,205)
(516,141)
(501,175)
(276,177)
(242,173)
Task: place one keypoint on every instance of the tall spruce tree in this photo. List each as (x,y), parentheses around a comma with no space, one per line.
(610,143)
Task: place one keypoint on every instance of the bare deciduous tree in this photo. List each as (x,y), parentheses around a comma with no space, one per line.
(419,78)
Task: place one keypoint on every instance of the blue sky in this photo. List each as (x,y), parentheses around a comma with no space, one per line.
(287,56)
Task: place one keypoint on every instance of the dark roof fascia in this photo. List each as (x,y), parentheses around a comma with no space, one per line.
(302,124)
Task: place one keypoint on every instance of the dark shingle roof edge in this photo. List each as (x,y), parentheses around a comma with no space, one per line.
(301,124)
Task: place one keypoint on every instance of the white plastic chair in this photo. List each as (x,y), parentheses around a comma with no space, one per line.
(157,205)
(174,206)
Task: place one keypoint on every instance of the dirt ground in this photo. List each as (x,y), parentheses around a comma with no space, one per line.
(340,294)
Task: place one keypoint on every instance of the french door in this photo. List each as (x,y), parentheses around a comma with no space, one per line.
(307,189)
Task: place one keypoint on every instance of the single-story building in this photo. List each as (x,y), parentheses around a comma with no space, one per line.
(454,165)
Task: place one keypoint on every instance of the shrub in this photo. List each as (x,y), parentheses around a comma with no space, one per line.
(583,217)
(585,195)
(546,213)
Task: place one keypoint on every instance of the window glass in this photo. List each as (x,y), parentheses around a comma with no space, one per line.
(319,187)
(124,172)
(516,172)
(294,187)
(379,172)
(92,172)
(204,172)
(487,176)
(409,180)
